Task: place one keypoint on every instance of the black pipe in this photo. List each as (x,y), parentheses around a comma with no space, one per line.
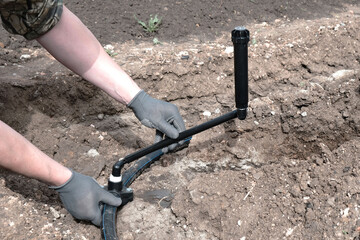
(240,37)
(116,171)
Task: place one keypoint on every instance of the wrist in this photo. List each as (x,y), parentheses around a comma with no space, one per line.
(127,96)
(135,99)
(62,177)
(132,94)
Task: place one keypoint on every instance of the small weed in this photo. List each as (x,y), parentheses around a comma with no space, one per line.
(253,41)
(109,49)
(111,53)
(156,41)
(152,25)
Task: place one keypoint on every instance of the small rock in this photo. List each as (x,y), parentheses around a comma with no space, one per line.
(345,212)
(182,53)
(319,161)
(100,116)
(25,56)
(93,153)
(304,114)
(342,74)
(285,128)
(207,113)
(258,175)
(109,47)
(331,201)
(303,185)
(229,50)
(295,191)
(55,213)
(289,232)
(299,209)
(345,114)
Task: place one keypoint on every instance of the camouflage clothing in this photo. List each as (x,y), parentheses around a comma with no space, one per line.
(30,18)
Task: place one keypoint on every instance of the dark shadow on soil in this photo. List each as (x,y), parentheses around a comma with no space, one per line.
(79,102)
(29,188)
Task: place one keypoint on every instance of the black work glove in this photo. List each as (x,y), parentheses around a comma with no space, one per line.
(162,116)
(83,197)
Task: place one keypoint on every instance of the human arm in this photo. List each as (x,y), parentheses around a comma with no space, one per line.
(72,43)
(58,30)
(19,155)
(80,194)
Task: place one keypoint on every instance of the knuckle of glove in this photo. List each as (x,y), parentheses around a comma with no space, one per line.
(146,122)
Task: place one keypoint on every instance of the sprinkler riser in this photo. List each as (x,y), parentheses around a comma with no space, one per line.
(240,37)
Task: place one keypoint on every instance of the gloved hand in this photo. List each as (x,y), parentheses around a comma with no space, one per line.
(162,116)
(82,196)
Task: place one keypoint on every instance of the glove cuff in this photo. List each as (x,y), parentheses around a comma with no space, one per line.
(135,99)
(66,183)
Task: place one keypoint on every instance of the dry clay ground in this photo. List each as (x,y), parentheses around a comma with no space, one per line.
(289,171)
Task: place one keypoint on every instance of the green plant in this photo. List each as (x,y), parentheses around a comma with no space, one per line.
(253,41)
(111,53)
(156,41)
(152,25)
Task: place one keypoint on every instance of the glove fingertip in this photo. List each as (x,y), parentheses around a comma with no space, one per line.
(169,130)
(165,150)
(172,133)
(112,200)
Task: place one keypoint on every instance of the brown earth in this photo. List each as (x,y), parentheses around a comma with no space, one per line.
(289,171)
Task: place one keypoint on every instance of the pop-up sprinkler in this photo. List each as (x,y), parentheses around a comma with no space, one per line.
(119,182)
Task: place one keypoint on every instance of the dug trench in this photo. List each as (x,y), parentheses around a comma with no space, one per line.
(290,170)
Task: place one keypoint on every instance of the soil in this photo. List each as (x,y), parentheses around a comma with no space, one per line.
(289,171)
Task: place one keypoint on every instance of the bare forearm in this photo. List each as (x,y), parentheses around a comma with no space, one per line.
(19,155)
(71,43)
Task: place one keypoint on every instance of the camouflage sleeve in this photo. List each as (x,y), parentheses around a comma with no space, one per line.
(30,18)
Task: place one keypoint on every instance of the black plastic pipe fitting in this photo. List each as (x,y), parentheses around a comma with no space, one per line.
(240,37)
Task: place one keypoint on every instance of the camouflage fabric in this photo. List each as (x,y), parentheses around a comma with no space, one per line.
(30,18)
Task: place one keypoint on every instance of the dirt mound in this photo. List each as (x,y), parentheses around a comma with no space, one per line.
(290,170)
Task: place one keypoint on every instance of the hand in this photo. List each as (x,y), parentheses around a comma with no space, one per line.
(82,196)
(162,116)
